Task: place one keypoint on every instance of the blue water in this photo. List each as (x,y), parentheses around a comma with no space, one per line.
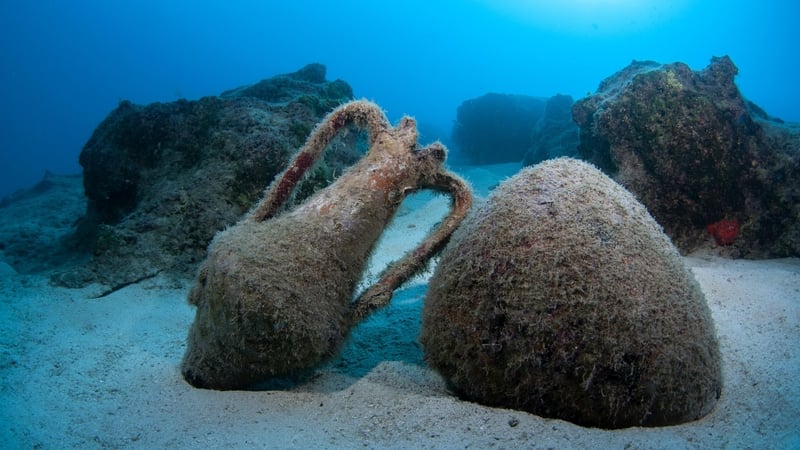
(65,64)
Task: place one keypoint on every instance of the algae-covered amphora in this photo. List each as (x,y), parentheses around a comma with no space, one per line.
(275,294)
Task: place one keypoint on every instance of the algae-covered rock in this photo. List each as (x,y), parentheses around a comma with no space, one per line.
(161,179)
(696,152)
(561,296)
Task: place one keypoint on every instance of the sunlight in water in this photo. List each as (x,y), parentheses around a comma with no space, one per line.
(591,17)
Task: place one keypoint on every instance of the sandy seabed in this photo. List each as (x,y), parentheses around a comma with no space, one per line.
(84,372)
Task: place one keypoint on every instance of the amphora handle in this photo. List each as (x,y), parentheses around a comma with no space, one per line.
(379,294)
(361,113)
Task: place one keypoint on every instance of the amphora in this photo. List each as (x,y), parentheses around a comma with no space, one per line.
(275,295)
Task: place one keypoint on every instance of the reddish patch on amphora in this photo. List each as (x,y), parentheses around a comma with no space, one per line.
(724,232)
(294,173)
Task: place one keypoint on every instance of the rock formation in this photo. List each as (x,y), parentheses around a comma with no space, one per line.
(502,128)
(555,135)
(34,221)
(496,128)
(696,153)
(161,179)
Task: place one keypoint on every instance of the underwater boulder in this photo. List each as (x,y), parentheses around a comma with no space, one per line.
(503,128)
(496,128)
(696,153)
(33,222)
(561,296)
(555,135)
(162,179)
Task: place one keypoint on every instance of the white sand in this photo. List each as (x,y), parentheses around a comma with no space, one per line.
(103,373)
